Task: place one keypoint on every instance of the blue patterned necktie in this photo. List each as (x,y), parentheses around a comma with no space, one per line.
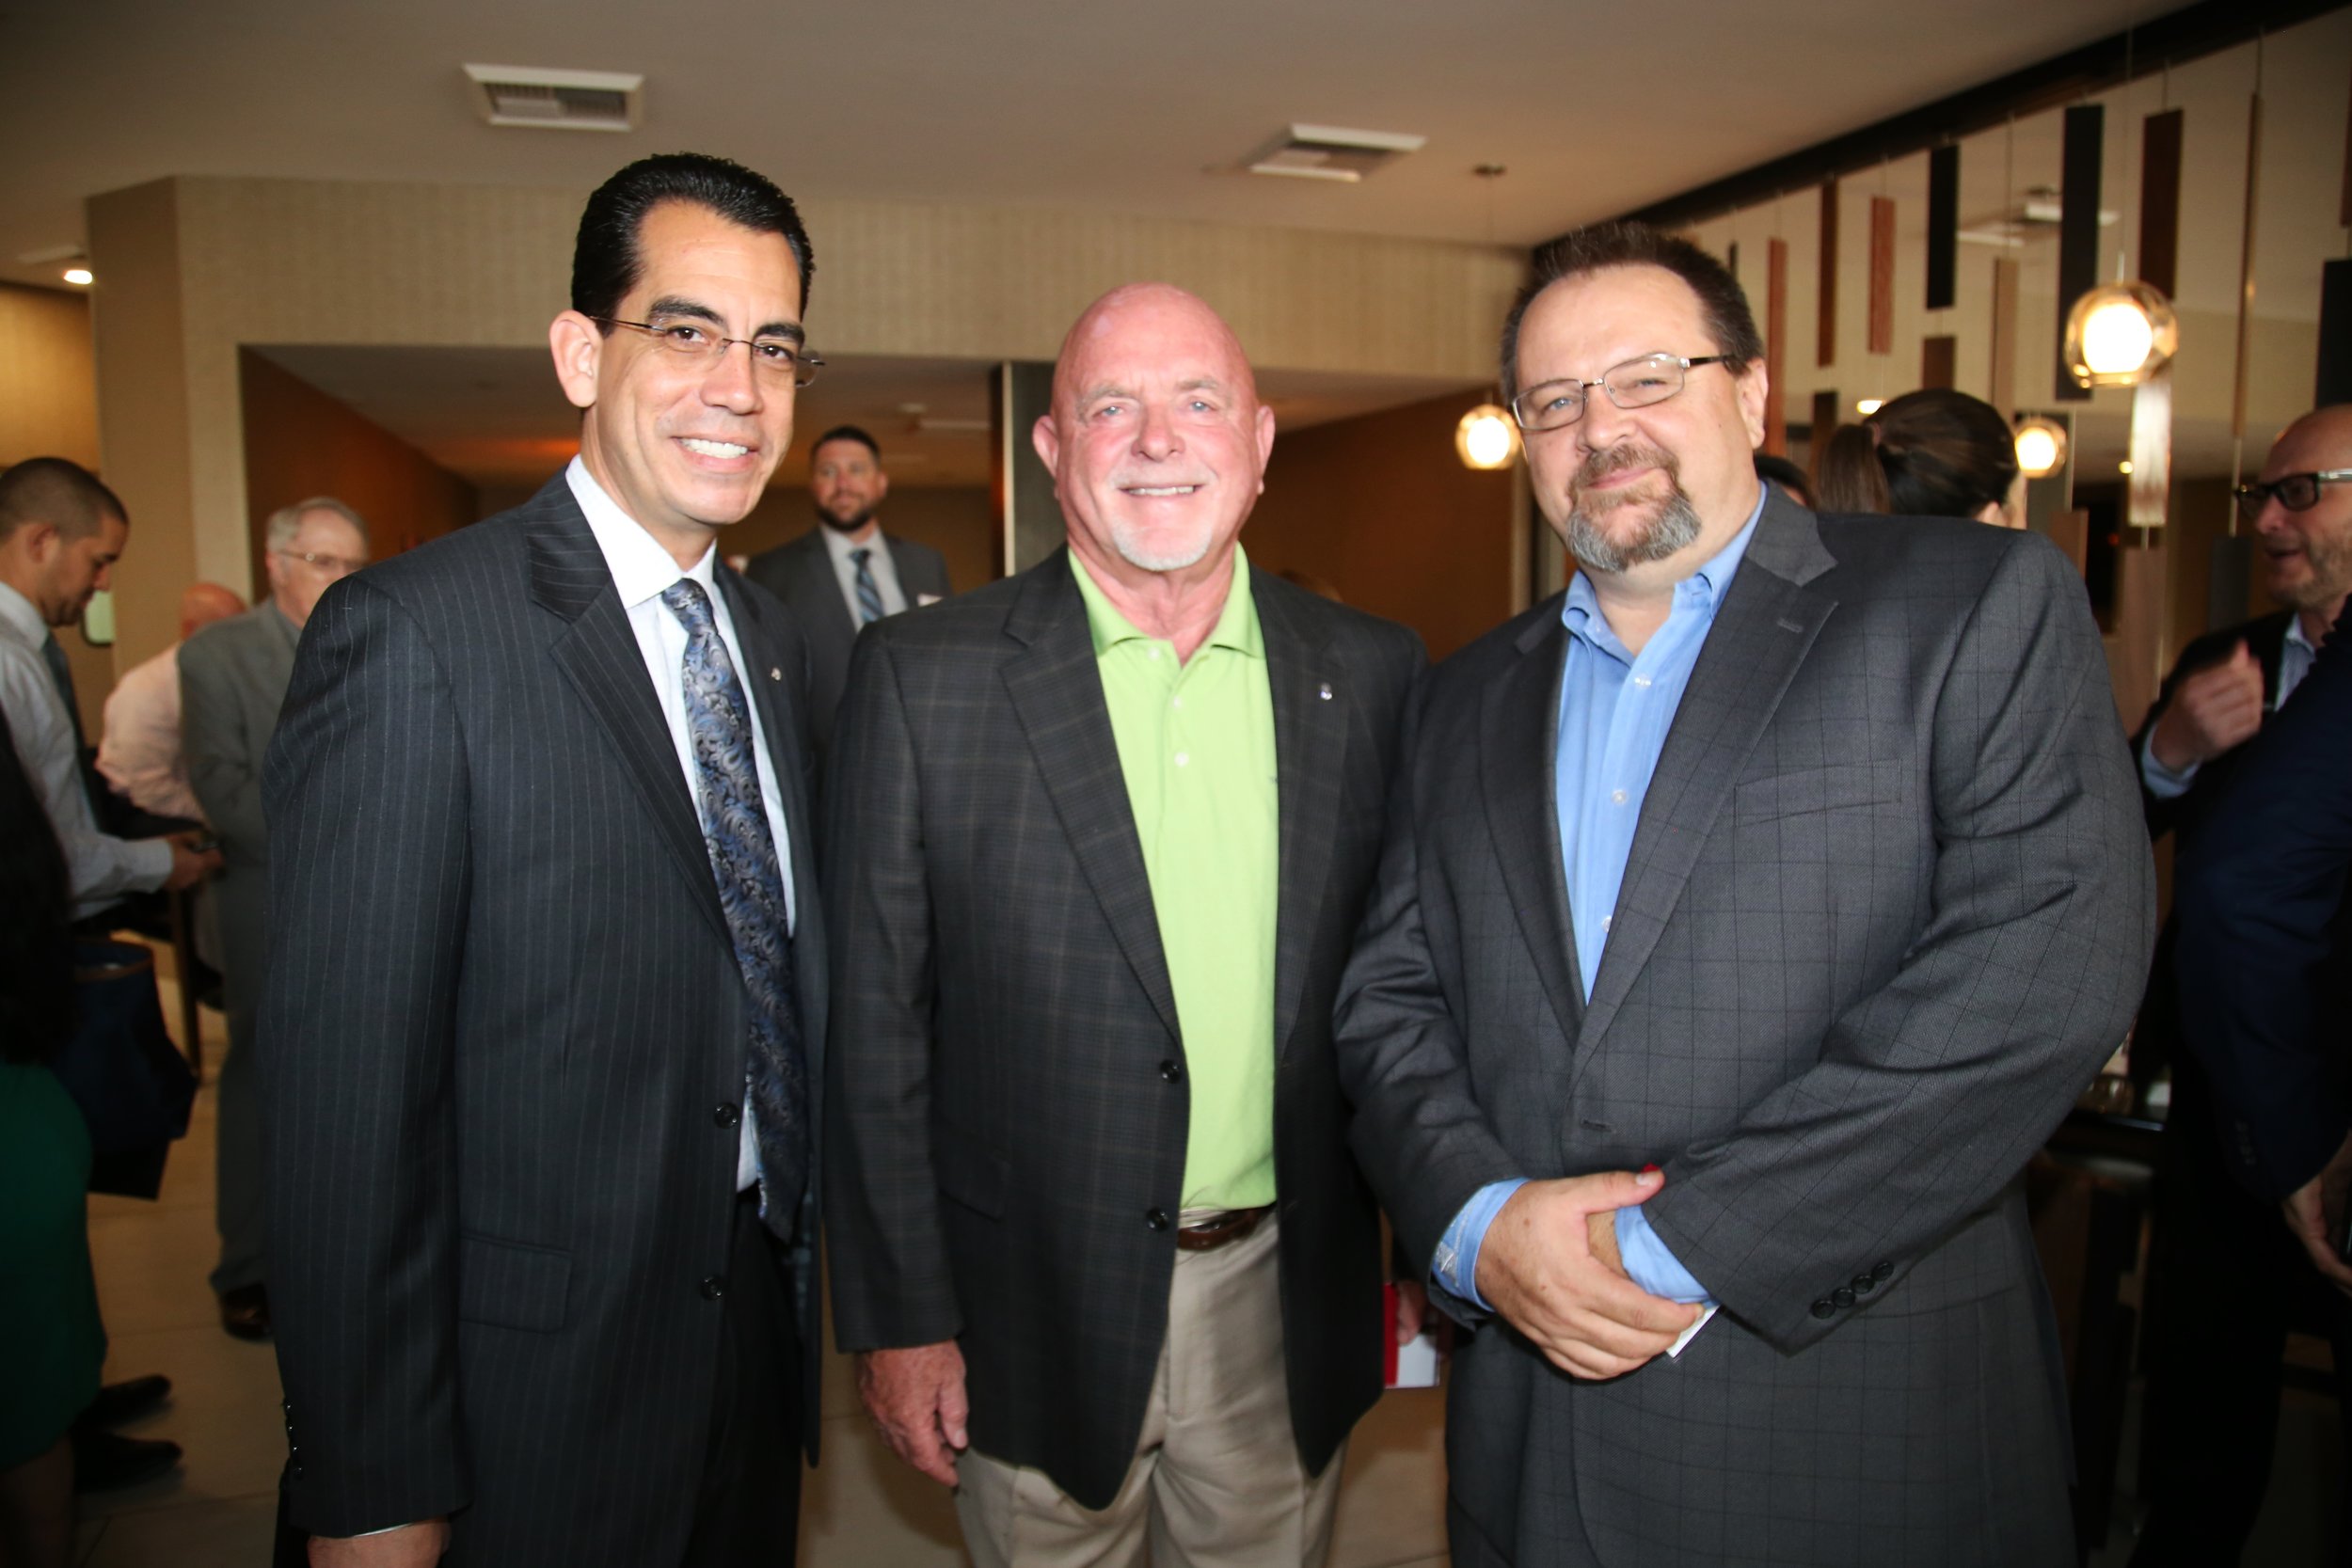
(868,591)
(750,893)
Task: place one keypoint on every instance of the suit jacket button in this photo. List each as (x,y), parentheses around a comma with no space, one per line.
(726,1114)
(1883,1273)
(1155,1218)
(294,1471)
(1864,1284)
(713,1287)
(1824,1309)
(1172,1074)
(1842,1296)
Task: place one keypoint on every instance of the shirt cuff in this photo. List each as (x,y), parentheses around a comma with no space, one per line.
(1649,1264)
(1455,1266)
(2162,782)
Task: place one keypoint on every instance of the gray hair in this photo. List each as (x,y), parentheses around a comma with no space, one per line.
(286,521)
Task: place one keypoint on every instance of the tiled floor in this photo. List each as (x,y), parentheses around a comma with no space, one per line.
(863,1508)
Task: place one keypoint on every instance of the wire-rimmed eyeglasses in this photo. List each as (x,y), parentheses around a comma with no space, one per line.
(1635,384)
(698,343)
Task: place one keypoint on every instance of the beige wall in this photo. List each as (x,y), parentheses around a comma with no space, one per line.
(190,268)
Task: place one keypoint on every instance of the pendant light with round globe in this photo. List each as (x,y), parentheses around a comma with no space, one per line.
(2119,334)
(2041,445)
(1486,437)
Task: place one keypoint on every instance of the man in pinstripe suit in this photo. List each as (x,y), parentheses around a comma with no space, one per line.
(547,981)
(1098,837)
(1798,856)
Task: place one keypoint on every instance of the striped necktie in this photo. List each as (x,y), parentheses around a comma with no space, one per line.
(742,854)
(869,605)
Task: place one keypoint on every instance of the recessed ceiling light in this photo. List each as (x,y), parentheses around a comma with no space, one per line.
(80,277)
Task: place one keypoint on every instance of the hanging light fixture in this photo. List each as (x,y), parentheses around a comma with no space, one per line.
(2041,445)
(1486,437)
(2120,333)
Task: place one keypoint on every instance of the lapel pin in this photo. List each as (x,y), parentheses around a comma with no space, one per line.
(774,673)
(1325,692)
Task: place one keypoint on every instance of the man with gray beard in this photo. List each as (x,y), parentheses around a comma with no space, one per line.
(1100,835)
(1750,913)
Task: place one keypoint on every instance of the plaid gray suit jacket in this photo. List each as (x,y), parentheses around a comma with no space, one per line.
(1888,909)
(503,1037)
(1009,1103)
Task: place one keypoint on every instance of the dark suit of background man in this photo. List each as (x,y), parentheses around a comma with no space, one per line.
(1100,834)
(547,980)
(232,680)
(2226,1283)
(846,571)
(1795,855)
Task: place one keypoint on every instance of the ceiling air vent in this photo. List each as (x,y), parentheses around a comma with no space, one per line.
(557,99)
(1327,152)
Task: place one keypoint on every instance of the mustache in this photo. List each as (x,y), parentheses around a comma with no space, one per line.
(1626,454)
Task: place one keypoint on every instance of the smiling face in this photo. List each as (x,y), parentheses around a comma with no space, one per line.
(2307,555)
(847,482)
(686,446)
(1157,441)
(1625,486)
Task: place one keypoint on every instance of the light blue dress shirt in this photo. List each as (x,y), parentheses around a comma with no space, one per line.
(1615,709)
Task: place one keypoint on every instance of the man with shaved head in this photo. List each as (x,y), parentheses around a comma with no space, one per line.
(2228,1282)
(1100,835)
(140,751)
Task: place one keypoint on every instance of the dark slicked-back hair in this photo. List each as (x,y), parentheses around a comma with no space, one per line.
(58,491)
(606,263)
(849,433)
(1602,245)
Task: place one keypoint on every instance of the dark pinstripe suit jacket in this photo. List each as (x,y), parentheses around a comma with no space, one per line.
(1008,1105)
(503,1019)
(1886,910)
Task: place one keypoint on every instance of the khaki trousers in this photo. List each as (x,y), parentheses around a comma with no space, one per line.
(1217,1478)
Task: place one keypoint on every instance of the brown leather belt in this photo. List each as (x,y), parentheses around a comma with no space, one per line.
(1221,1229)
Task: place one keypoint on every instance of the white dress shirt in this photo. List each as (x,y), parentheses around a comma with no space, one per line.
(2295,662)
(886,570)
(641,570)
(101,868)
(139,750)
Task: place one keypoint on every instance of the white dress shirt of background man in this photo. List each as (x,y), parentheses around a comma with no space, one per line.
(139,747)
(232,678)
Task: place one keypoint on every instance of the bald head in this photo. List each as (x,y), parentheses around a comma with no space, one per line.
(202,603)
(1157,441)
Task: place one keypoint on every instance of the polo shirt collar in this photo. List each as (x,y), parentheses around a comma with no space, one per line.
(1237,625)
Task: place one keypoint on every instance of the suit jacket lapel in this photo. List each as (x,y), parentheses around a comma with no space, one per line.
(1311,732)
(1057,690)
(1519,745)
(598,655)
(1766,623)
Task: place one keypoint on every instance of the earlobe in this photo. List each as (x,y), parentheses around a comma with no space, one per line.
(577,346)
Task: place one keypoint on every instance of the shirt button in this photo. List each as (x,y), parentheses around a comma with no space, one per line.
(1617,797)
(1604,923)
(1156,654)
(1183,757)
(1641,680)
(1175,702)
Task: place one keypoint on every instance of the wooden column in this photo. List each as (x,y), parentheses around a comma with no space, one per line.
(1825,350)
(1937,356)
(2160,201)
(2003,392)
(1776,347)
(1881,332)
(2078,233)
(1943,227)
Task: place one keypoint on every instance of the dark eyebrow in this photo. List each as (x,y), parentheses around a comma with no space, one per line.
(673,306)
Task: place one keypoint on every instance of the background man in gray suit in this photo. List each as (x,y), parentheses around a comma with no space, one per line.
(1101,835)
(846,571)
(232,678)
(1797,855)
(547,979)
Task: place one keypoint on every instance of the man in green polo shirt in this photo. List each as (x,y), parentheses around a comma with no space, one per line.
(1101,834)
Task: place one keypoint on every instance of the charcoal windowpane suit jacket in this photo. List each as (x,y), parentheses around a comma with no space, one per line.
(502,1036)
(1007,1150)
(1886,910)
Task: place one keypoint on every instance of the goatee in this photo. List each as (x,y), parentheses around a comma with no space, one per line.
(1674,527)
(850,524)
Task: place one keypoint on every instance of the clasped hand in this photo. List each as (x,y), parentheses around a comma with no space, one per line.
(1549,1265)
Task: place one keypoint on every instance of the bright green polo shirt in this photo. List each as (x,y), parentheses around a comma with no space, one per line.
(1196,742)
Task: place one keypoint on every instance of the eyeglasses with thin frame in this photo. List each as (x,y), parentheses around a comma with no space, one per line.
(334,566)
(695,342)
(1635,384)
(2296,492)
